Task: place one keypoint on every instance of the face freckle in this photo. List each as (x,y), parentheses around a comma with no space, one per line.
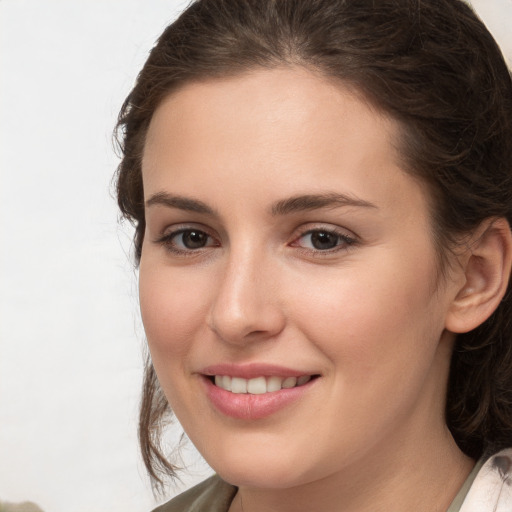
(314,257)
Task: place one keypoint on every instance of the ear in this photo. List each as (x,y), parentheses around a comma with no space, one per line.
(487,267)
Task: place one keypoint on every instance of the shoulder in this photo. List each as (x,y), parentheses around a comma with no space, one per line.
(492,488)
(212,495)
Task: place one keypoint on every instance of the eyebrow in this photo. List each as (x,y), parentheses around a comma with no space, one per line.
(282,207)
(317,201)
(179,202)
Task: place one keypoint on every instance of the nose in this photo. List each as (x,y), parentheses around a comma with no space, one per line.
(246,305)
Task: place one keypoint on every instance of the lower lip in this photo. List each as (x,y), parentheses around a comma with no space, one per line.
(245,406)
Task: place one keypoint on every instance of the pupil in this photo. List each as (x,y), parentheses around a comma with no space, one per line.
(324,240)
(194,239)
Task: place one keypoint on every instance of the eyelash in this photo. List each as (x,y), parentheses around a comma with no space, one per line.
(168,241)
(343,241)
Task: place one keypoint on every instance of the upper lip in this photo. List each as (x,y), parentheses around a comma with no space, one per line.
(252,370)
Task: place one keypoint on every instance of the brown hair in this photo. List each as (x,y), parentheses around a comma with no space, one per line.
(431,65)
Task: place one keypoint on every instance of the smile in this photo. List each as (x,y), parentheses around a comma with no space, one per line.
(259,385)
(255,391)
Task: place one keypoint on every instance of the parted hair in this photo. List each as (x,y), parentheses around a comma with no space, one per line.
(429,64)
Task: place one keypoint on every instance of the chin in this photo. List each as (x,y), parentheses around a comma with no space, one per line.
(263,479)
(262,472)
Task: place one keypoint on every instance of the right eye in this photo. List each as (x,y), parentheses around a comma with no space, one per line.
(187,240)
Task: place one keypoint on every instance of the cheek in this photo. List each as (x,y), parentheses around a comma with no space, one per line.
(373,317)
(172,309)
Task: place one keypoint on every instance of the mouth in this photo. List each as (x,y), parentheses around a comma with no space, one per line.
(259,385)
(257,390)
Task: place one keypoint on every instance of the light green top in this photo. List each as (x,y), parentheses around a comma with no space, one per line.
(461,495)
(212,495)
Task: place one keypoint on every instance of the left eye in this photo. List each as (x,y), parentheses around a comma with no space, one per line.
(322,240)
(187,240)
(192,239)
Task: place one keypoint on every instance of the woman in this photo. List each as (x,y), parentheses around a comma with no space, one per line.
(322,197)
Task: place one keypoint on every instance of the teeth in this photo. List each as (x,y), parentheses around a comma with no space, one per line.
(289,382)
(238,385)
(259,385)
(303,380)
(274,384)
(226,382)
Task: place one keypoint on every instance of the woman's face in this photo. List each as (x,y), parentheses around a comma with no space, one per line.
(285,242)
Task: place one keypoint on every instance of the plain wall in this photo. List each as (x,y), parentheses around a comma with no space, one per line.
(71,342)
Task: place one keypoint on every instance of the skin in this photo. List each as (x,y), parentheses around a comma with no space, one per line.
(368,316)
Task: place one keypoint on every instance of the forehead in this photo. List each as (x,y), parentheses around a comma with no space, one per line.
(271,130)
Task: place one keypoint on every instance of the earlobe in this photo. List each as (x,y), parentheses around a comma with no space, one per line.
(487,268)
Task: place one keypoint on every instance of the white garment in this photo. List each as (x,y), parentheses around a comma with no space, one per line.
(491,490)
